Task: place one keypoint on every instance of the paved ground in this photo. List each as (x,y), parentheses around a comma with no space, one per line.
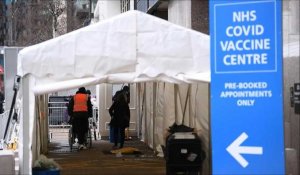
(98,160)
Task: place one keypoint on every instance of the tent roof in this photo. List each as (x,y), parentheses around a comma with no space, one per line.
(130,47)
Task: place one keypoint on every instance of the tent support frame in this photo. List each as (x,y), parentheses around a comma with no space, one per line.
(25,153)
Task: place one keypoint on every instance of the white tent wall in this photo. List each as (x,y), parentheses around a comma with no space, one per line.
(150,114)
(140,109)
(42,124)
(291,68)
(160,118)
(33,139)
(163,104)
(291,75)
(104,103)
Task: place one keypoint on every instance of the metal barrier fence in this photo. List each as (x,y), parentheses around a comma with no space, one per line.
(58,114)
(3,122)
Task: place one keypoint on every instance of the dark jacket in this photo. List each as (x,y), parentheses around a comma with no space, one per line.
(119,112)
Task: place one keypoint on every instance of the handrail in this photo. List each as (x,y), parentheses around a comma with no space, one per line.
(15,88)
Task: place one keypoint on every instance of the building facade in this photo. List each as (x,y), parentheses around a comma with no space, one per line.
(30,22)
(3,29)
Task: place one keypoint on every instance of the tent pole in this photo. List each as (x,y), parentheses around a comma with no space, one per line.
(25,144)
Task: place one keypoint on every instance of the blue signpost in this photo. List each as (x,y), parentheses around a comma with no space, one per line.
(246,87)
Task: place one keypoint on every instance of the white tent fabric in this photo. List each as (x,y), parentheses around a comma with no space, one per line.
(291,50)
(131,47)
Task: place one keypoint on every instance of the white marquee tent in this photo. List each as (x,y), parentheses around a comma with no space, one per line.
(129,48)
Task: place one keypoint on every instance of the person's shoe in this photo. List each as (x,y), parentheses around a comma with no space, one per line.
(81,147)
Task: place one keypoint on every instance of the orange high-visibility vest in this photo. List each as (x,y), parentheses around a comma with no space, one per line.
(80,103)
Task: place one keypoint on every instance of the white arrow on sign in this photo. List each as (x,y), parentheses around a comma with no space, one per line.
(236,150)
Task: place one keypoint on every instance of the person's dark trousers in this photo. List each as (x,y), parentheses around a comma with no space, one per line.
(80,123)
(117,131)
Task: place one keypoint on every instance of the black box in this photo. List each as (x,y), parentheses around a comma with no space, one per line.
(184,153)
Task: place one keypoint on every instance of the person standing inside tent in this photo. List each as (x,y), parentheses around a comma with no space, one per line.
(120,116)
(80,108)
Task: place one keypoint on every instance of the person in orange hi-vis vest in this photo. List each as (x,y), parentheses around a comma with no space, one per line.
(80,108)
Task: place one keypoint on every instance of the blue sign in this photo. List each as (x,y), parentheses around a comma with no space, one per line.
(246,87)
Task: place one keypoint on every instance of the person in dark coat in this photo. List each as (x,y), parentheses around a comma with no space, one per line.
(120,117)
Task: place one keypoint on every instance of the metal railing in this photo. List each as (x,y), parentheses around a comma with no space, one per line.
(58,114)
